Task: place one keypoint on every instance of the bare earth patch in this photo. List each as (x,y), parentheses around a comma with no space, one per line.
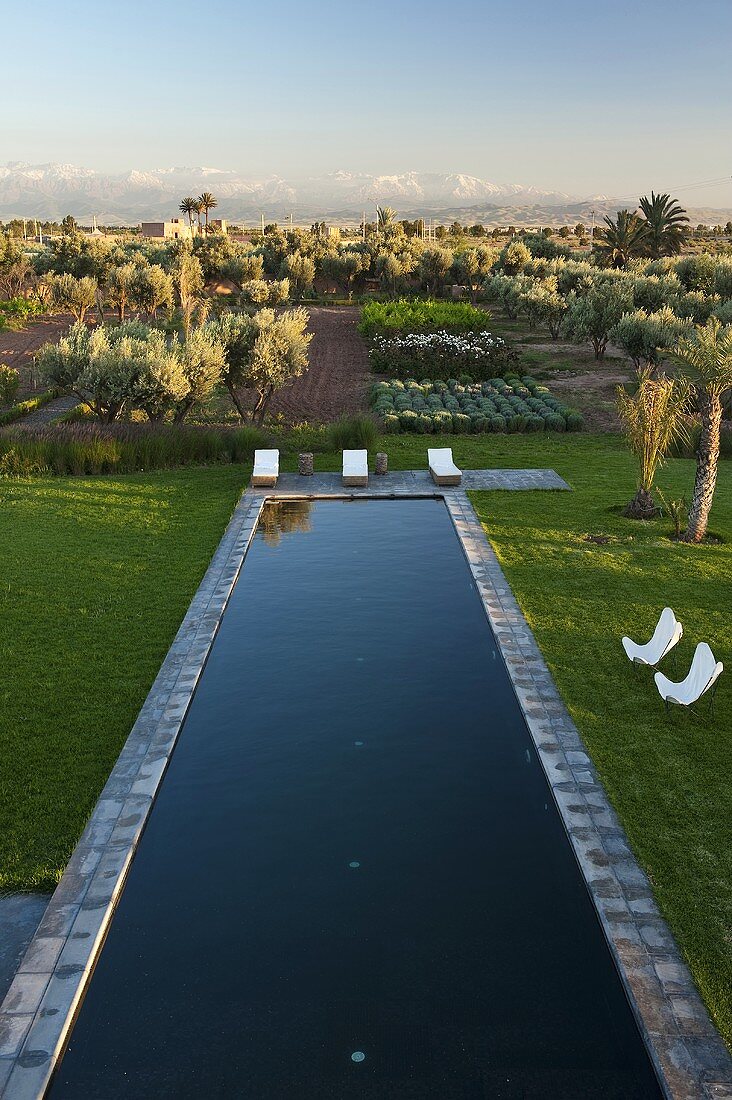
(593,393)
(18,348)
(338,379)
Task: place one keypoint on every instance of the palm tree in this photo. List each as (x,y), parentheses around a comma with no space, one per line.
(385,217)
(705,358)
(653,418)
(208,202)
(188,206)
(666,223)
(198,210)
(624,238)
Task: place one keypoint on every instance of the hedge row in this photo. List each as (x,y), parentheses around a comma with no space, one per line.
(498,405)
(420,315)
(436,355)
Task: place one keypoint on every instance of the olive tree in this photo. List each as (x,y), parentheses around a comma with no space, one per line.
(543,302)
(70,295)
(434,267)
(101,366)
(201,357)
(474,266)
(121,287)
(261,353)
(644,336)
(343,268)
(152,290)
(300,270)
(591,316)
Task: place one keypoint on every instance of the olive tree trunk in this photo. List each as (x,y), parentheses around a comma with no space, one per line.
(707,456)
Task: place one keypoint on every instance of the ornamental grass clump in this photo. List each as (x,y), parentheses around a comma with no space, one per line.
(82,448)
(353,432)
(495,405)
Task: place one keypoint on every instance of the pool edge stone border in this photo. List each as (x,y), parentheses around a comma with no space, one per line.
(39,1008)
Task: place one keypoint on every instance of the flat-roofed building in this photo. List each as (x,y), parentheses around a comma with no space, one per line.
(176,229)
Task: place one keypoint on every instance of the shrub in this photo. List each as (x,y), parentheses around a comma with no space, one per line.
(411,316)
(437,354)
(9,383)
(353,432)
(491,406)
(14,312)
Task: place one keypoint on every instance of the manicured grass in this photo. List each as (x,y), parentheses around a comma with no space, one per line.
(670,781)
(97,575)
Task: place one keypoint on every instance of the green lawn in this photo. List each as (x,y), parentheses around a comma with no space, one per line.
(97,574)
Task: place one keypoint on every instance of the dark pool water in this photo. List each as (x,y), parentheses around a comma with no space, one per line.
(355,852)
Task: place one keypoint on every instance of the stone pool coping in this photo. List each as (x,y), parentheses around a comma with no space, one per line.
(39,1009)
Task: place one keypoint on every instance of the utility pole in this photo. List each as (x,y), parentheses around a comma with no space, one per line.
(263,223)
(592,235)
(363,226)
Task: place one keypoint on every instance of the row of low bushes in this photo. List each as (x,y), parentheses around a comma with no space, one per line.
(414,315)
(436,355)
(17,412)
(497,405)
(121,448)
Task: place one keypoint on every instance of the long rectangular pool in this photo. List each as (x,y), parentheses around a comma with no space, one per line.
(354,882)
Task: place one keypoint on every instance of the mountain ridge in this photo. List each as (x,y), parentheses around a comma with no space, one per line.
(52,190)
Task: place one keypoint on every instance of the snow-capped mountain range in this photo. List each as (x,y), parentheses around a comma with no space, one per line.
(50,191)
(53,190)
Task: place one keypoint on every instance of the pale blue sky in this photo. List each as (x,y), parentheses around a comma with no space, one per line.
(586,97)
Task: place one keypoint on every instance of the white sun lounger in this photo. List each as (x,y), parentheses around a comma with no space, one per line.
(668,632)
(266,469)
(703,675)
(355,467)
(443,469)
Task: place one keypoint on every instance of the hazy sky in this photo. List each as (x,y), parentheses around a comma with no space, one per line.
(586,97)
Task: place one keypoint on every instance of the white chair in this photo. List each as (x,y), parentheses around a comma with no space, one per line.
(355,467)
(667,634)
(703,676)
(266,469)
(443,469)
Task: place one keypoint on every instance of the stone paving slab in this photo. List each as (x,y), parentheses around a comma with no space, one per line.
(38,1010)
(417,482)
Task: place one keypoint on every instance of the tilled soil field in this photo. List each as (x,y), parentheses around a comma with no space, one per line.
(338,379)
(18,348)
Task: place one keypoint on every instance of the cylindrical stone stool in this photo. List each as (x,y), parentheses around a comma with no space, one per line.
(382,463)
(305,464)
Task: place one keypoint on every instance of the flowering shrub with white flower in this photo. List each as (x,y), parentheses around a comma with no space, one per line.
(509,404)
(436,355)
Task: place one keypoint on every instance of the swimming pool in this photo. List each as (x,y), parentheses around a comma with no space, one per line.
(354,881)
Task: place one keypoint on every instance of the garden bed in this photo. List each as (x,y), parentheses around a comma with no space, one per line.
(496,405)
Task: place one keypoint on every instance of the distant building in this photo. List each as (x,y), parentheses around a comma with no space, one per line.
(218,225)
(176,229)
